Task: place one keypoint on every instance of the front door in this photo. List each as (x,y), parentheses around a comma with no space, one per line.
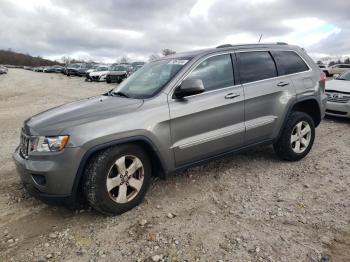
(212,122)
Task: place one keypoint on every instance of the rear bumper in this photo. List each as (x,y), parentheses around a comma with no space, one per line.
(338,109)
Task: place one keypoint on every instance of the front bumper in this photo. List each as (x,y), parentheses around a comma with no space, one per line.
(338,109)
(50,176)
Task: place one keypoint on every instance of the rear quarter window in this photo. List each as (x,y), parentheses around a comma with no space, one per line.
(289,62)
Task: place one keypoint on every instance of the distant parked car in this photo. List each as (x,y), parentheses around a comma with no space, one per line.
(38,69)
(70,69)
(92,69)
(3,70)
(336,69)
(99,74)
(117,73)
(338,96)
(27,68)
(53,69)
(82,70)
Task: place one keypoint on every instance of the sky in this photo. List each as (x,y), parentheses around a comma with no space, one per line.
(106,30)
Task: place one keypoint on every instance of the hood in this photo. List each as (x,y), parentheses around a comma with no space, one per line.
(98,73)
(117,72)
(338,85)
(55,120)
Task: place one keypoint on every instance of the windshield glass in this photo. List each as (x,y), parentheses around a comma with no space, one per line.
(345,76)
(117,68)
(151,78)
(74,65)
(101,68)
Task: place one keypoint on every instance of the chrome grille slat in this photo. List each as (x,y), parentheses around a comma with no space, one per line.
(24,144)
(338,98)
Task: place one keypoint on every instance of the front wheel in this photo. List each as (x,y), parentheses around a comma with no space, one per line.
(116,179)
(297,137)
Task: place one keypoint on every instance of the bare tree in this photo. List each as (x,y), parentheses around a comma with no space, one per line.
(123,60)
(153,57)
(167,51)
(66,59)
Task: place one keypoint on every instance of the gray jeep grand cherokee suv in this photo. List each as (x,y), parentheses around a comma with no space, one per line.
(171,114)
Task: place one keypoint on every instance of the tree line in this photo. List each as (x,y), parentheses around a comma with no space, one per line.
(9,57)
(334,62)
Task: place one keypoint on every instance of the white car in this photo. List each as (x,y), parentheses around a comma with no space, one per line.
(338,93)
(3,70)
(336,69)
(99,74)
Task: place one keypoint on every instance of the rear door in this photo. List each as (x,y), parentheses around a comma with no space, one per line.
(266,94)
(211,122)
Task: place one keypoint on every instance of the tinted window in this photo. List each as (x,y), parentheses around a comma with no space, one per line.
(215,72)
(289,62)
(254,66)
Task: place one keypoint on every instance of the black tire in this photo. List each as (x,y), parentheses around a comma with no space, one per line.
(97,171)
(283,146)
(108,80)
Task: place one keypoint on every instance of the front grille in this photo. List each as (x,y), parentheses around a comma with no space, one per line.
(24,144)
(338,97)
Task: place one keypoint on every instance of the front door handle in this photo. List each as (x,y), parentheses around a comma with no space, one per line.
(231,95)
(282,84)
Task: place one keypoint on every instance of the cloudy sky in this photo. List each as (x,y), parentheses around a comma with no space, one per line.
(106,30)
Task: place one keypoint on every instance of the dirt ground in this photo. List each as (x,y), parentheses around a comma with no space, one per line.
(246,207)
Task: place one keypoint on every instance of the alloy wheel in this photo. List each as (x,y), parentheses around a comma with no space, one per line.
(125,179)
(301,137)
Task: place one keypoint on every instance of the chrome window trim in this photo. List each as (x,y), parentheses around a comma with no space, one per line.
(276,77)
(200,60)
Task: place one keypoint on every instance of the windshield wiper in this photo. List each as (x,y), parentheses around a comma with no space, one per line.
(119,93)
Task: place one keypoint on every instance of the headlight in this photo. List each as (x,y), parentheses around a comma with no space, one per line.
(49,143)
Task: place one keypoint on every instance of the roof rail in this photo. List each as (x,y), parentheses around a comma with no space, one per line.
(281,43)
(223,46)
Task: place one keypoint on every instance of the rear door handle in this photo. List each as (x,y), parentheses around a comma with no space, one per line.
(282,84)
(231,95)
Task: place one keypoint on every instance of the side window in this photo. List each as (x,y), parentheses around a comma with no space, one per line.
(289,62)
(254,66)
(215,72)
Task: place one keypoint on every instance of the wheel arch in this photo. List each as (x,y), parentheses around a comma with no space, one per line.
(311,107)
(158,164)
(306,105)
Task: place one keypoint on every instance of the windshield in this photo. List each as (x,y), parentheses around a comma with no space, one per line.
(345,76)
(117,68)
(74,65)
(151,78)
(101,68)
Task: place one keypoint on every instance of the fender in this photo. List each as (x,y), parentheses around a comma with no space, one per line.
(296,101)
(96,148)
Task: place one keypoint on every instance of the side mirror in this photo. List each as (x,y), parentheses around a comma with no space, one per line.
(189,87)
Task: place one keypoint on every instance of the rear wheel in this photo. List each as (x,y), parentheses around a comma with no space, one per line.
(116,179)
(297,137)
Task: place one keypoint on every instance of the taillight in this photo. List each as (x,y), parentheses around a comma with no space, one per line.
(322,82)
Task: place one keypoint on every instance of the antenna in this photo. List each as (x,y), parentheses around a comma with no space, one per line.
(261,35)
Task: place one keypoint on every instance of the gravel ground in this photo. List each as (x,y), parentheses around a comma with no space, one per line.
(246,207)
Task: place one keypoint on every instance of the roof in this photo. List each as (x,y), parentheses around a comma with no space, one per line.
(229,47)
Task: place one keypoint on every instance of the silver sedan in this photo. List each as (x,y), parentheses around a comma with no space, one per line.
(338,93)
